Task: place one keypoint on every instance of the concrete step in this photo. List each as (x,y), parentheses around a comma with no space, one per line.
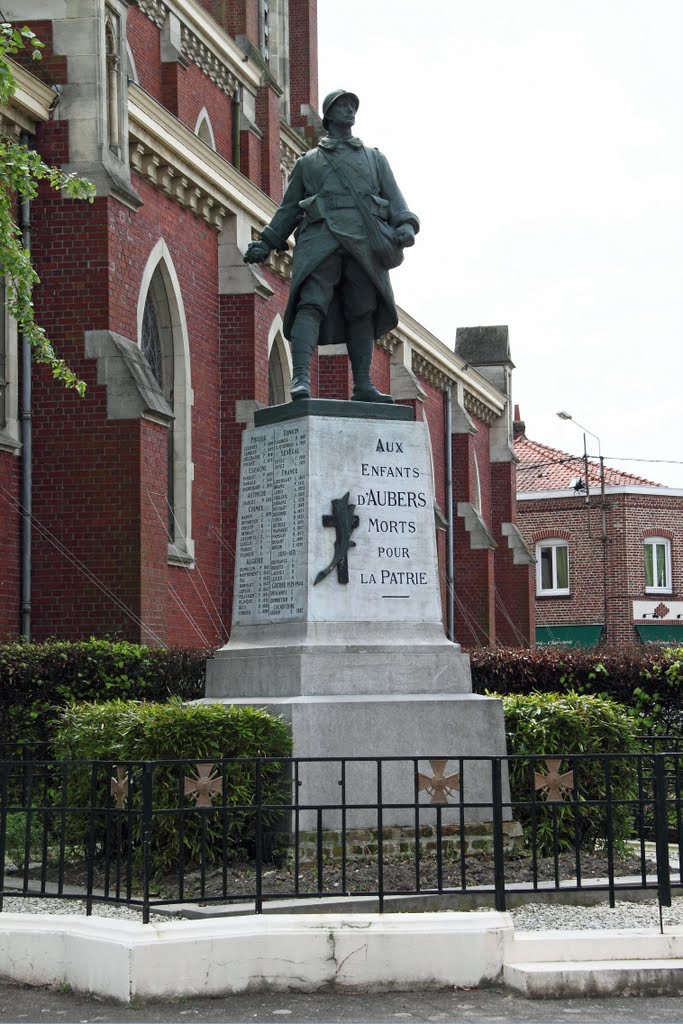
(598,944)
(555,979)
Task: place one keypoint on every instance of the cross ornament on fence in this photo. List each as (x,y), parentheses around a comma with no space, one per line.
(439,786)
(552,783)
(119,788)
(203,786)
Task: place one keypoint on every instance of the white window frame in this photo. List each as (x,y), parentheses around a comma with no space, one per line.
(654,542)
(553,543)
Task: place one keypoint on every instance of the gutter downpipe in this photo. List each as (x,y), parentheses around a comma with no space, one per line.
(450,559)
(26,439)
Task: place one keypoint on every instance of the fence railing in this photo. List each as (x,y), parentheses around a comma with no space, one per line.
(250,831)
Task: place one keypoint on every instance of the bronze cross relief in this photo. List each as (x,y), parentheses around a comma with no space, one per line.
(344,521)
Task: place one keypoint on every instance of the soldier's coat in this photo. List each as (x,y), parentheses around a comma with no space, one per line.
(308,208)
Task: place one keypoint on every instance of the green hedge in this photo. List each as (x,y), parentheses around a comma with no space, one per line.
(38,680)
(121,733)
(648,680)
(556,725)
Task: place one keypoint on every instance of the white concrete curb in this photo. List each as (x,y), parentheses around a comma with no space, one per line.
(229,955)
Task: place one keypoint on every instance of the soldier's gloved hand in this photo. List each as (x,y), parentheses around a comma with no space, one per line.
(257,252)
(405,235)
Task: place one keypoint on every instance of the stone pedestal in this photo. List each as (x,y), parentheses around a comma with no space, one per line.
(347,643)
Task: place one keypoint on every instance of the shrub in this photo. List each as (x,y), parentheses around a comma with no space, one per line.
(648,679)
(121,734)
(544,726)
(38,680)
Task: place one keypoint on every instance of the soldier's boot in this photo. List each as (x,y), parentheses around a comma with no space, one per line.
(360,355)
(303,344)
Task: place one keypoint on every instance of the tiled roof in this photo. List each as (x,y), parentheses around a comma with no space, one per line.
(542,468)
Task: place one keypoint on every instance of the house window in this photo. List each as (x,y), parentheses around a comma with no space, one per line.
(657,552)
(552,567)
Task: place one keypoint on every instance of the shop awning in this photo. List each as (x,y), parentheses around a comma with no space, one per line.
(661,632)
(572,636)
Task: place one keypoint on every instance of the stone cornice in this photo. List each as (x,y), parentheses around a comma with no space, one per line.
(439,365)
(478,408)
(205,43)
(175,161)
(31,102)
(292,146)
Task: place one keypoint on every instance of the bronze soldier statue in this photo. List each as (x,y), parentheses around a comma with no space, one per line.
(351,225)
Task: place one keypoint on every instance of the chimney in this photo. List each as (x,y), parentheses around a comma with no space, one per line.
(518,427)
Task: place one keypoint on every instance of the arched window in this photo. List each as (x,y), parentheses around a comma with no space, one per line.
(156,342)
(131,70)
(477,483)
(279,366)
(204,129)
(164,344)
(111,40)
(9,376)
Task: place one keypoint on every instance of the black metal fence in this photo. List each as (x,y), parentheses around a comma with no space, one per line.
(242,831)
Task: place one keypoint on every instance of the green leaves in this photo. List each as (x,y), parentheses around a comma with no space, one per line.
(38,680)
(646,679)
(176,736)
(21,171)
(542,726)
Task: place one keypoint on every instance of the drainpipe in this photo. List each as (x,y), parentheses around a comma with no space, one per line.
(236,127)
(450,560)
(26,439)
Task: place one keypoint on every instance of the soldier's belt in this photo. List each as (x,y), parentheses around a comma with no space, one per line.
(338,201)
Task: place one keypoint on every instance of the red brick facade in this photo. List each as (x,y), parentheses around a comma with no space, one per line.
(102,562)
(607,585)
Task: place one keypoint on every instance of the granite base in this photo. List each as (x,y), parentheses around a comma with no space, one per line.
(410,730)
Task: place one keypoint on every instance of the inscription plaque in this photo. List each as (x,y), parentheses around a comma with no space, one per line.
(290,470)
(270,571)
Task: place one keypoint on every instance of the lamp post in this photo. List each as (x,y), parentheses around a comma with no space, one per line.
(563,415)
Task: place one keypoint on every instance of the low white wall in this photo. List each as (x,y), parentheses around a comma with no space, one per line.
(221,956)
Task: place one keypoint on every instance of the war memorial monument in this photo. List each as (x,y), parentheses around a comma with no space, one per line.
(337,619)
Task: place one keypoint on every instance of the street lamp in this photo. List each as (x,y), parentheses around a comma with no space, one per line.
(564,415)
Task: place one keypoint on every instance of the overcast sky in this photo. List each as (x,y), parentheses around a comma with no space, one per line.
(541,144)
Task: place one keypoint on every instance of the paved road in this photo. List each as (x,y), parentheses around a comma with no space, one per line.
(20,1003)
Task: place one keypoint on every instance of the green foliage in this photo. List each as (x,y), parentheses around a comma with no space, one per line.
(21,171)
(542,726)
(176,737)
(646,679)
(38,680)
(22,831)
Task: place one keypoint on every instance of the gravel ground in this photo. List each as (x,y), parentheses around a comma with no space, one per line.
(531,917)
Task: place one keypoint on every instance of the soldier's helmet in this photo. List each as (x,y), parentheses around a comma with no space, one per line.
(332,97)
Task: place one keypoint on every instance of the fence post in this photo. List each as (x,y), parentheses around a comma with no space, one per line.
(147,825)
(258,902)
(3,827)
(92,838)
(662,835)
(498,848)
